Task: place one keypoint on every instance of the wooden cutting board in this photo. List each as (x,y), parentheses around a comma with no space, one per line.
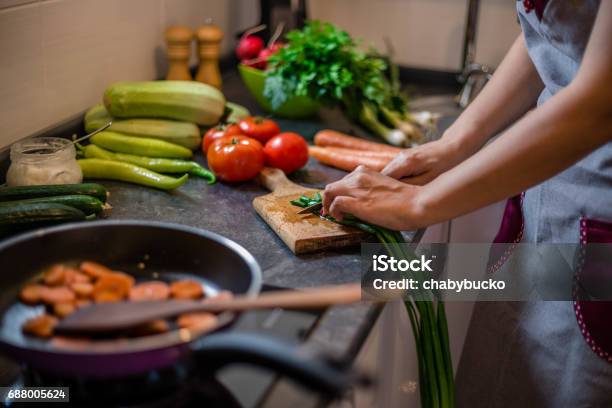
(301,232)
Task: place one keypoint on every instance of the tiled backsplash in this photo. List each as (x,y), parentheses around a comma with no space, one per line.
(57,56)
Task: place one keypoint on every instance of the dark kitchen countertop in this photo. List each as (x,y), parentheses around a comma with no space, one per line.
(227,210)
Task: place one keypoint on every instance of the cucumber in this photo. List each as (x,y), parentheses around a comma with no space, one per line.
(33,215)
(182,133)
(188,101)
(87,204)
(26,192)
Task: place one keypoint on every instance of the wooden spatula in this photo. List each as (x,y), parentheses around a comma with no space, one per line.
(301,233)
(110,317)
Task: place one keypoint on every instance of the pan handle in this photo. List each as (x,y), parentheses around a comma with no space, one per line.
(324,376)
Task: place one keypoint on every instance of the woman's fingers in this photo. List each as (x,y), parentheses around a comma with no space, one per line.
(332,191)
(373,198)
(343,205)
(345,187)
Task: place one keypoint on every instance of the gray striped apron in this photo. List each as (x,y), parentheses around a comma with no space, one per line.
(545,353)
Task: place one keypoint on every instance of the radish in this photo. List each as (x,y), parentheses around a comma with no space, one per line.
(250,45)
(276,46)
(262,58)
(255,63)
(261,62)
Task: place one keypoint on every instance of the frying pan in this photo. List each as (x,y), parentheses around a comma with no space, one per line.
(147,250)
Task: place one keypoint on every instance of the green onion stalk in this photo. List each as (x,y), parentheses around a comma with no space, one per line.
(368,118)
(427,318)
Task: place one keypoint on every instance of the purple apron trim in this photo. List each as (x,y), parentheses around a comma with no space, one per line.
(510,232)
(538,5)
(594,317)
(512,222)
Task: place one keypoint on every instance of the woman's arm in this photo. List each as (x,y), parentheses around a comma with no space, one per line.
(511,92)
(513,89)
(570,125)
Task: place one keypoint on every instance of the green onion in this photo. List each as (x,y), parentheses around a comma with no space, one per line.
(427,319)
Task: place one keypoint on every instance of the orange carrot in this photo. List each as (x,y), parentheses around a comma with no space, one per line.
(224,295)
(57,294)
(152,290)
(54,275)
(64,309)
(186,289)
(362,153)
(112,287)
(201,321)
(32,294)
(94,270)
(328,137)
(40,326)
(343,161)
(150,328)
(83,290)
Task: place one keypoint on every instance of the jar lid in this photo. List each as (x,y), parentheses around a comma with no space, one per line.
(42,148)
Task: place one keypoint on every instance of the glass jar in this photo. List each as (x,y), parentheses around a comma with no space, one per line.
(43,160)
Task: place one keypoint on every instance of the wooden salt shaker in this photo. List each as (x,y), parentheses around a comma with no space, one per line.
(178,40)
(209,38)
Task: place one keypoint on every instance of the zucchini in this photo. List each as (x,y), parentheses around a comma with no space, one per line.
(182,133)
(32,215)
(188,101)
(26,192)
(87,204)
(236,112)
(96,117)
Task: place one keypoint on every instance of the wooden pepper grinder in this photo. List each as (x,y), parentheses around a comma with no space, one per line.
(178,40)
(209,38)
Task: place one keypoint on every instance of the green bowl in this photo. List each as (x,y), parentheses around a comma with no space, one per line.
(296,107)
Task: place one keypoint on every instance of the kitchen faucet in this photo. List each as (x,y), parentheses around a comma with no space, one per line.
(473,75)
(290,12)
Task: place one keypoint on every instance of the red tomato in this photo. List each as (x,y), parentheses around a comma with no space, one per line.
(259,128)
(235,158)
(287,151)
(218,132)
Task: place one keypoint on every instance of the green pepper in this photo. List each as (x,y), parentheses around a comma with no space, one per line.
(156,164)
(141,146)
(115,170)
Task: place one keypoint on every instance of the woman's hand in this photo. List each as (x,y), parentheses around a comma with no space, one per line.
(419,165)
(375,198)
(513,90)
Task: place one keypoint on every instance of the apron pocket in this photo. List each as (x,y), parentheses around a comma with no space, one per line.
(509,234)
(594,272)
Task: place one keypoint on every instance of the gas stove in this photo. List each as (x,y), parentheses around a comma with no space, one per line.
(182,385)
